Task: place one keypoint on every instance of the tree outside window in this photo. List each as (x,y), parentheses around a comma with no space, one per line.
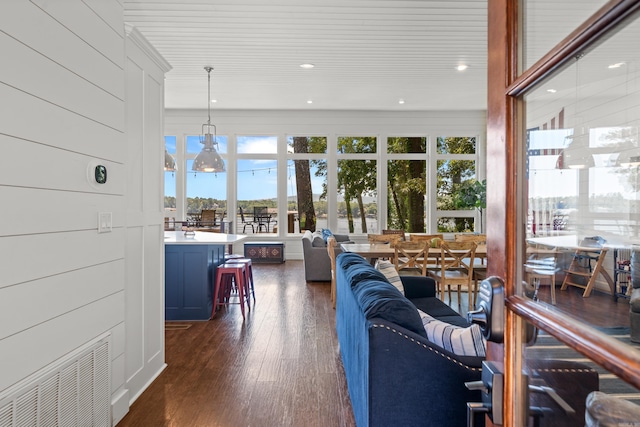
(307,183)
(357,185)
(406,184)
(456,172)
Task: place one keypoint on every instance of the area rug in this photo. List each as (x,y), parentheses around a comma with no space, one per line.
(172,326)
(547,347)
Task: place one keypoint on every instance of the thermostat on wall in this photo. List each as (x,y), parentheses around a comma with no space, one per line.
(100,174)
(96,173)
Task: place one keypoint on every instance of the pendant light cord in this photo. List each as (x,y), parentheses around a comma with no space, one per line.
(208,69)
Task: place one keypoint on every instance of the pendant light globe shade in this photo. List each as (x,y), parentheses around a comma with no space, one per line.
(208,160)
(169,162)
(577,155)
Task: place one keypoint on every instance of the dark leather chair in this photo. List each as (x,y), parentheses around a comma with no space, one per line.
(245,222)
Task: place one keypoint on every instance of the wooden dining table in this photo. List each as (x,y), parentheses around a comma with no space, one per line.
(373,251)
(573,243)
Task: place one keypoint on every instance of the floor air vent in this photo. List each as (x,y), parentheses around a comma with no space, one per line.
(74,392)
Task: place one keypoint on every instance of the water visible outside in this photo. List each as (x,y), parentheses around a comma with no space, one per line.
(343,226)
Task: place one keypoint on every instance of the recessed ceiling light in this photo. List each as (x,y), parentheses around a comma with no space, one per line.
(214,100)
(401,101)
(551,90)
(462,67)
(309,101)
(616,65)
(307,65)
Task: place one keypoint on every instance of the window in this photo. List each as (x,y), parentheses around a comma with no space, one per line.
(354,183)
(205,190)
(456,177)
(406,183)
(357,185)
(257,183)
(306,183)
(170,179)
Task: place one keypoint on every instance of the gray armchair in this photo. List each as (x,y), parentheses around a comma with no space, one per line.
(317,265)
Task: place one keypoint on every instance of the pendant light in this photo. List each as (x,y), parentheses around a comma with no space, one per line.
(208,160)
(577,153)
(169,162)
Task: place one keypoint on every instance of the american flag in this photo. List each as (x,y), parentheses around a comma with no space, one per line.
(556,122)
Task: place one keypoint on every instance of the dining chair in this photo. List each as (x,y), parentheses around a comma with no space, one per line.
(261,217)
(391,239)
(395,231)
(411,256)
(455,267)
(207,220)
(420,237)
(586,265)
(245,222)
(480,267)
(479,239)
(541,265)
(430,239)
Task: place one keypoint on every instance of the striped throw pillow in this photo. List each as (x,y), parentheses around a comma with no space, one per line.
(460,341)
(389,270)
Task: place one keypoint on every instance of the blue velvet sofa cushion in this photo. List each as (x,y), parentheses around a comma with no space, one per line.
(348,259)
(380,299)
(376,296)
(357,273)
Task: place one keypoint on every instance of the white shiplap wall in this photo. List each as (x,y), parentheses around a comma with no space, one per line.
(64,92)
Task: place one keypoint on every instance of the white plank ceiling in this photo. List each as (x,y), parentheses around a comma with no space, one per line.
(368,54)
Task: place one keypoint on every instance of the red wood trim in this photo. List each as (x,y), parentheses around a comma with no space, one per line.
(501,161)
(586,34)
(607,352)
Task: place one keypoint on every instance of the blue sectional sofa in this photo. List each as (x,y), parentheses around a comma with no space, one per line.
(395,376)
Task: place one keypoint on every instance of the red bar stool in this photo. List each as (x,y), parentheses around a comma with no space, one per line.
(249,274)
(228,275)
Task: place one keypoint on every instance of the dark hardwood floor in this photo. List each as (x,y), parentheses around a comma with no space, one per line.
(598,310)
(281,366)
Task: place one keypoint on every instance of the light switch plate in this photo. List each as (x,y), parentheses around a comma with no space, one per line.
(104,222)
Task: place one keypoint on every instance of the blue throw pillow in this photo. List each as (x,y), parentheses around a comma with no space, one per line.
(326,233)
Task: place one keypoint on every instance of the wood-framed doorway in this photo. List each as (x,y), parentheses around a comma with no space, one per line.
(505,129)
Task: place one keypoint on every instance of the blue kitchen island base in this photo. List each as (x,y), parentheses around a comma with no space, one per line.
(190,271)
